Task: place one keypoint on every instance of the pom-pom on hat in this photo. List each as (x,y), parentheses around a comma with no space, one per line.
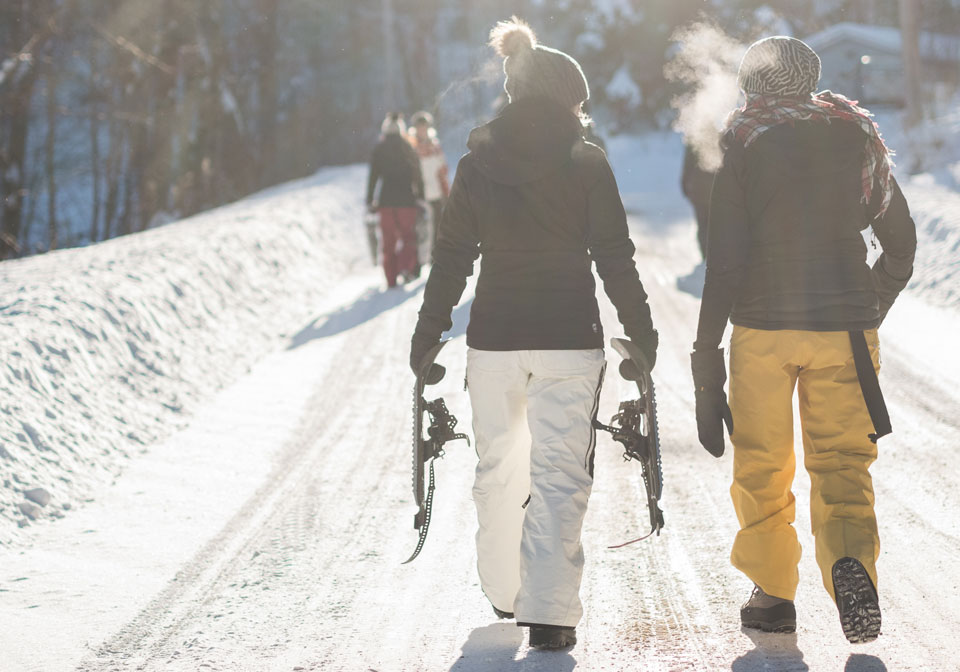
(779,66)
(535,70)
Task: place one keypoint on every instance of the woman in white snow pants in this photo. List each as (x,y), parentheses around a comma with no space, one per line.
(532,412)
(540,206)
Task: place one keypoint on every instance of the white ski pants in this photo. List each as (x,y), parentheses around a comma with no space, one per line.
(532,412)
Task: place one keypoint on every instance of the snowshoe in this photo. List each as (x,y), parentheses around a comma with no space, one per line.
(426,449)
(635,427)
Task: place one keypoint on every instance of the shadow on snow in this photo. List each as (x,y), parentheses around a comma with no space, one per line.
(493,647)
(780,652)
(368,306)
(771,652)
(861,662)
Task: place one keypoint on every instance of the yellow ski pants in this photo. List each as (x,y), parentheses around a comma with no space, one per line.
(765,367)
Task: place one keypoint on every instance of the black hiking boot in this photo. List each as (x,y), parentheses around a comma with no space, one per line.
(768,613)
(552,636)
(502,614)
(857,601)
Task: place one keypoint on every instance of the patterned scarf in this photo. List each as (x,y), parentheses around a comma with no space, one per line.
(761,113)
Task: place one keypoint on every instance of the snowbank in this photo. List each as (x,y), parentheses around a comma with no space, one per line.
(936,212)
(928,169)
(108,348)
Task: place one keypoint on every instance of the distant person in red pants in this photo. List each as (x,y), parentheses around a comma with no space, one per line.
(396,166)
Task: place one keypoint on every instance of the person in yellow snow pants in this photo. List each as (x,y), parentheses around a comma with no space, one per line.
(765,369)
(803,175)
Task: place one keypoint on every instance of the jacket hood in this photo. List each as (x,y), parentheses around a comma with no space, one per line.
(530,139)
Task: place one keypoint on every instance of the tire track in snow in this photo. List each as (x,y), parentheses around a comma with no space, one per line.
(151,637)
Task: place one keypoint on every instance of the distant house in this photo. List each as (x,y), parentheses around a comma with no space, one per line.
(865,62)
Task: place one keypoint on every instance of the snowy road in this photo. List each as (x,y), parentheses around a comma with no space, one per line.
(280,547)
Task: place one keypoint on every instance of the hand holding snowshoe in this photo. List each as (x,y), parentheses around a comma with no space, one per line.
(419,347)
(635,426)
(709,375)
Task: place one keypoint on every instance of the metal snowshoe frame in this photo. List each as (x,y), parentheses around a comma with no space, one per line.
(635,426)
(425,450)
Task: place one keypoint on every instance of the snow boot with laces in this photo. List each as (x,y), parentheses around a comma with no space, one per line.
(552,636)
(857,601)
(768,613)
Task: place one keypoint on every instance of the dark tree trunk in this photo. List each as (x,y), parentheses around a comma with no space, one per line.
(910,31)
(51,154)
(95,158)
(19,18)
(266,44)
(158,168)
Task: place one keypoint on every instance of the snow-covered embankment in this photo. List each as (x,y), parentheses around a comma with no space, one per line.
(106,349)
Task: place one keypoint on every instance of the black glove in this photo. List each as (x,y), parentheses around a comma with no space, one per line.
(419,347)
(709,375)
(630,370)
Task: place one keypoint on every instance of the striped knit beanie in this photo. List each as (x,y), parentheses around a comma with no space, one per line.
(779,66)
(535,70)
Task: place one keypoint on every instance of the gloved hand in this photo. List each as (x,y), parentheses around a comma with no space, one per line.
(709,375)
(419,347)
(648,348)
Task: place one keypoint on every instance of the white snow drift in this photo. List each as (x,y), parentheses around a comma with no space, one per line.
(106,349)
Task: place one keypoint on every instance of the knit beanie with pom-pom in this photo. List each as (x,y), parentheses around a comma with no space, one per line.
(535,70)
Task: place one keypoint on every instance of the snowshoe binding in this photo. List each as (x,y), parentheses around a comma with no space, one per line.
(426,450)
(635,426)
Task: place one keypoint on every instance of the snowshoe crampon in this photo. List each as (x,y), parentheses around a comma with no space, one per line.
(635,427)
(426,449)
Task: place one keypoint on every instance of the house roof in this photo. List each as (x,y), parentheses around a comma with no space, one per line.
(933,46)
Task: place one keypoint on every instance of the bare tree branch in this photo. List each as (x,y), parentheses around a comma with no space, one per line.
(133,49)
(25,57)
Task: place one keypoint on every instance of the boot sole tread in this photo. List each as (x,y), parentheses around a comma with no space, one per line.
(770,627)
(857,601)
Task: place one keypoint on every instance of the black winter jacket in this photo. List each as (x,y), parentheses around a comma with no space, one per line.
(785,247)
(539,204)
(395,162)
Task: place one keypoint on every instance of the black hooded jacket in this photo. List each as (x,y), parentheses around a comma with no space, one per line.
(539,204)
(395,162)
(785,248)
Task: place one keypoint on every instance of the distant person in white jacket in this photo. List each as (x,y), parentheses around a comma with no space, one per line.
(433,165)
